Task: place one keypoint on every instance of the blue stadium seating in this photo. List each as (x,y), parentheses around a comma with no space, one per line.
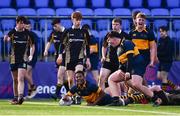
(158,23)
(79,3)
(85,11)
(66,23)
(103,24)
(26,12)
(63,11)
(102,34)
(23,3)
(176,24)
(7,24)
(175,12)
(172,34)
(98,3)
(87,21)
(38,33)
(135,3)
(41,3)
(8,12)
(1,35)
(173,3)
(121,12)
(45,12)
(144,10)
(44,23)
(103,12)
(159,12)
(117,3)
(5,3)
(95,33)
(178,35)
(125,24)
(60,3)
(154,3)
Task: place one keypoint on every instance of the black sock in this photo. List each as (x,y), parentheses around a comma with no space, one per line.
(66,85)
(115,98)
(58,87)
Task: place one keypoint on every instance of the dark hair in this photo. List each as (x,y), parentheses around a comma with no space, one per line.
(27,22)
(114,34)
(80,71)
(86,26)
(76,15)
(117,20)
(164,28)
(55,21)
(134,14)
(20,19)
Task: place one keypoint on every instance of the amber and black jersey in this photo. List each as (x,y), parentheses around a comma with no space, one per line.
(75,43)
(20,42)
(111,55)
(89,91)
(142,39)
(56,38)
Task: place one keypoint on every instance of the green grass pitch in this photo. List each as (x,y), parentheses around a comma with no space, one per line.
(50,107)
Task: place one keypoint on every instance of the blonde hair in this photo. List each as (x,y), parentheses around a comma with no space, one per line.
(141,15)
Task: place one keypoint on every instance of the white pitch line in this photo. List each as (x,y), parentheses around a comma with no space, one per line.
(106,108)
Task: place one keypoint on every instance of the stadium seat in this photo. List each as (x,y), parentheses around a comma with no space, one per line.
(144,10)
(135,3)
(64,11)
(7,24)
(173,3)
(26,12)
(175,12)
(176,24)
(66,23)
(125,24)
(172,34)
(41,3)
(159,12)
(8,12)
(95,33)
(98,3)
(79,3)
(87,21)
(178,35)
(158,23)
(103,12)
(121,12)
(103,24)
(38,33)
(102,34)
(85,11)
(45,12)
(60,3)
(45,23)
(117,3)
(154,3)
(22,3)
(5,4)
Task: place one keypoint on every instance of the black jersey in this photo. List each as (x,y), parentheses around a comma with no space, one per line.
(165,50)
(75,42)
(111,55)
(20,42)
(56,38)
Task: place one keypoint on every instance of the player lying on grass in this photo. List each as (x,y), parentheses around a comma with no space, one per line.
(90,92)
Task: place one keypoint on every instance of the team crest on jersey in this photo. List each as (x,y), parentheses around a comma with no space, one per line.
(134,35)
